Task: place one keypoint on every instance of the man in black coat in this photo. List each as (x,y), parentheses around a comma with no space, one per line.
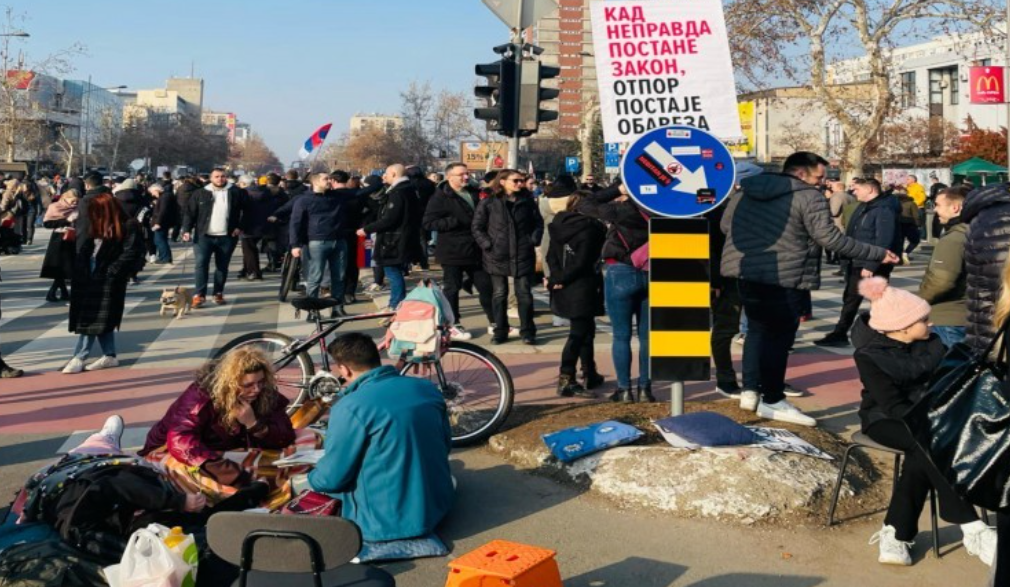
(213,220)
(450,214)
(425,190)
(260,205)
(397,229)
(876,222)
(507,227)
(166,218)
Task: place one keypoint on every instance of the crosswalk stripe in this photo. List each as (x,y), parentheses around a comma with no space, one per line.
(183,341)
(52,349)
(18,307)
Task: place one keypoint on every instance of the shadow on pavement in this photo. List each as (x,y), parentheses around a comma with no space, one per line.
(641,572)
(756,580)
(33,450)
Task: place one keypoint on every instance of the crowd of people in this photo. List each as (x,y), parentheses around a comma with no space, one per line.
(496,237)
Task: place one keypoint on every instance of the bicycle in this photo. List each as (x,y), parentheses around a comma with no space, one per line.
(291,269)
(475,384)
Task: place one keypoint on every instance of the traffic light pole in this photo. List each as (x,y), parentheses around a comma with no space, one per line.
(518,40)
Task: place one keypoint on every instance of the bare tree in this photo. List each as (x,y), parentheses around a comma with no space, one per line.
(795,40)
(66,146)
(797,139)
(20,115)
(417,104)
(254,156)
(374,148)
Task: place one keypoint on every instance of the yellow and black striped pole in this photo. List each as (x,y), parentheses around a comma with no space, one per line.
(680,322)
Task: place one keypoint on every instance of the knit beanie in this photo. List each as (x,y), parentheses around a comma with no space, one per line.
(891,308)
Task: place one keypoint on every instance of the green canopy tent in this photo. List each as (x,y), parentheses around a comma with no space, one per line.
(979,172)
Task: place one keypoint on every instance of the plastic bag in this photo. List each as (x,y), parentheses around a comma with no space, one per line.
(148,562)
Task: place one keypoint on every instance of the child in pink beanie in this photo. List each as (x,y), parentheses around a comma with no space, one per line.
(895,356)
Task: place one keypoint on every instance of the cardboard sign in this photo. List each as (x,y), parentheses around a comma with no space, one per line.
(662,64)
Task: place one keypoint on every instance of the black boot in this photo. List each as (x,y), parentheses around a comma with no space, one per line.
(645,394)
(592,379)
(8,372)
(51,295)
(568,386)
(622,395)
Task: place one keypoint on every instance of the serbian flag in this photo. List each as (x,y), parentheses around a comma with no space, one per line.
(314,141)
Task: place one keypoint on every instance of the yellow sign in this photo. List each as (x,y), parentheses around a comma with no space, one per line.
(482,156)
(744,148)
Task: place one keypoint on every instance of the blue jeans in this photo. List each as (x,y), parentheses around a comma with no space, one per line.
(86,341)
(162,246)
(949,335)
(397,284)
(323,254)
(626,292)
(222,248)
(773,317)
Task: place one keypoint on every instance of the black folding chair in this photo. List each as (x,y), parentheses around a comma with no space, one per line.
(292,550)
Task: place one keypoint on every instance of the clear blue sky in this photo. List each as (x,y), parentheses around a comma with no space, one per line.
(285,67)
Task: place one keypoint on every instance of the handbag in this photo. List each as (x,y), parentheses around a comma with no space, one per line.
(640,256)
(969,423)
(312,503)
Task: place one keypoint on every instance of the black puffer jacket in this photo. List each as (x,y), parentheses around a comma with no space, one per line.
(576,242)
(508,233)
(398,227)
(628,225)
(775,231)
(876,223)
(987,213)
(450,215)
(894,375)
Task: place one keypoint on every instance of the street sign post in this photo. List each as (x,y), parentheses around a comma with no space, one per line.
(678,171)
(572,164)
(521,14)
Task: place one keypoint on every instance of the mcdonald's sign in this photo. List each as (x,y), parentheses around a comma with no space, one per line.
(986,85)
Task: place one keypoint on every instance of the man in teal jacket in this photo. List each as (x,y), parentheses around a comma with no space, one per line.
(387,447)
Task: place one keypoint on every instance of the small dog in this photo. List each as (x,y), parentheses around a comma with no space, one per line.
(176,300)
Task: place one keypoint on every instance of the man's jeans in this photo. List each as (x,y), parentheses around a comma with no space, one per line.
(221,247)
(397,284)
(323,254)
(161,244)
(773,317)
(626,291)
(949,335)
(499,305)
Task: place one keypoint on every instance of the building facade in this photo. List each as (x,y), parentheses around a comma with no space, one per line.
(387,123)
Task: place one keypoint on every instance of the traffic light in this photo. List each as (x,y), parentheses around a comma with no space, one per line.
(533,94)
(501,92)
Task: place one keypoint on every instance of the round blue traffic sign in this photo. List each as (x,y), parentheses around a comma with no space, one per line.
(678,171)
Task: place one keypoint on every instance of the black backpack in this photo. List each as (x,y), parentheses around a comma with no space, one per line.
(50,563)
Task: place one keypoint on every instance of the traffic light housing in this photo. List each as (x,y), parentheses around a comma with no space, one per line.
(534,94)
(501,92)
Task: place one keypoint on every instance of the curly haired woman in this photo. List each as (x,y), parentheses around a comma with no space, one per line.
(232,406)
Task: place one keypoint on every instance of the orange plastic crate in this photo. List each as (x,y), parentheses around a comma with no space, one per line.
(501,562)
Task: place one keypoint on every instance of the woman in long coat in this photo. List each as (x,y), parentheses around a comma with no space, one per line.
(105,261)
(58,263)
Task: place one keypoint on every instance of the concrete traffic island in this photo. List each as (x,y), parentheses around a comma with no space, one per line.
(742,484)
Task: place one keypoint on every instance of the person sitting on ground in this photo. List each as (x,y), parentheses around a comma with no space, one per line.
(387,447)
(895,356)
(233,405)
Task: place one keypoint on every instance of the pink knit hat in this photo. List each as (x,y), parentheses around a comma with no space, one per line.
(891,308)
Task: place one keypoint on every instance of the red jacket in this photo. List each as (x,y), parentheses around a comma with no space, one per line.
(193,432)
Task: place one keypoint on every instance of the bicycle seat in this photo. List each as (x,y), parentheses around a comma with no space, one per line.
(314,304)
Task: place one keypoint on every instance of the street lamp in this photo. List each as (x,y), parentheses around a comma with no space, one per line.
(86,120)
(21,34)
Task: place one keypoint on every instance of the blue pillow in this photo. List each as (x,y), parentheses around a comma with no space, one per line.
(708,429)
(572,443)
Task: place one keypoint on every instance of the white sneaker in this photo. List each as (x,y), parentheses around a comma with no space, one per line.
(892,550)
(105,362)
(740,338)
(457,332)
(513,331)
(559,321)
(374,288)
(749,400)
(513,313)
(784,411)
(76,365)
(113,429)
(981,544)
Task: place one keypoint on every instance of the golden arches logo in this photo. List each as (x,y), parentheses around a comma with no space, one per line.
(991,83)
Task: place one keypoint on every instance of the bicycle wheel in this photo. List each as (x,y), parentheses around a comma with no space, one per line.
(290,270)
(293,372)
(477,388)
